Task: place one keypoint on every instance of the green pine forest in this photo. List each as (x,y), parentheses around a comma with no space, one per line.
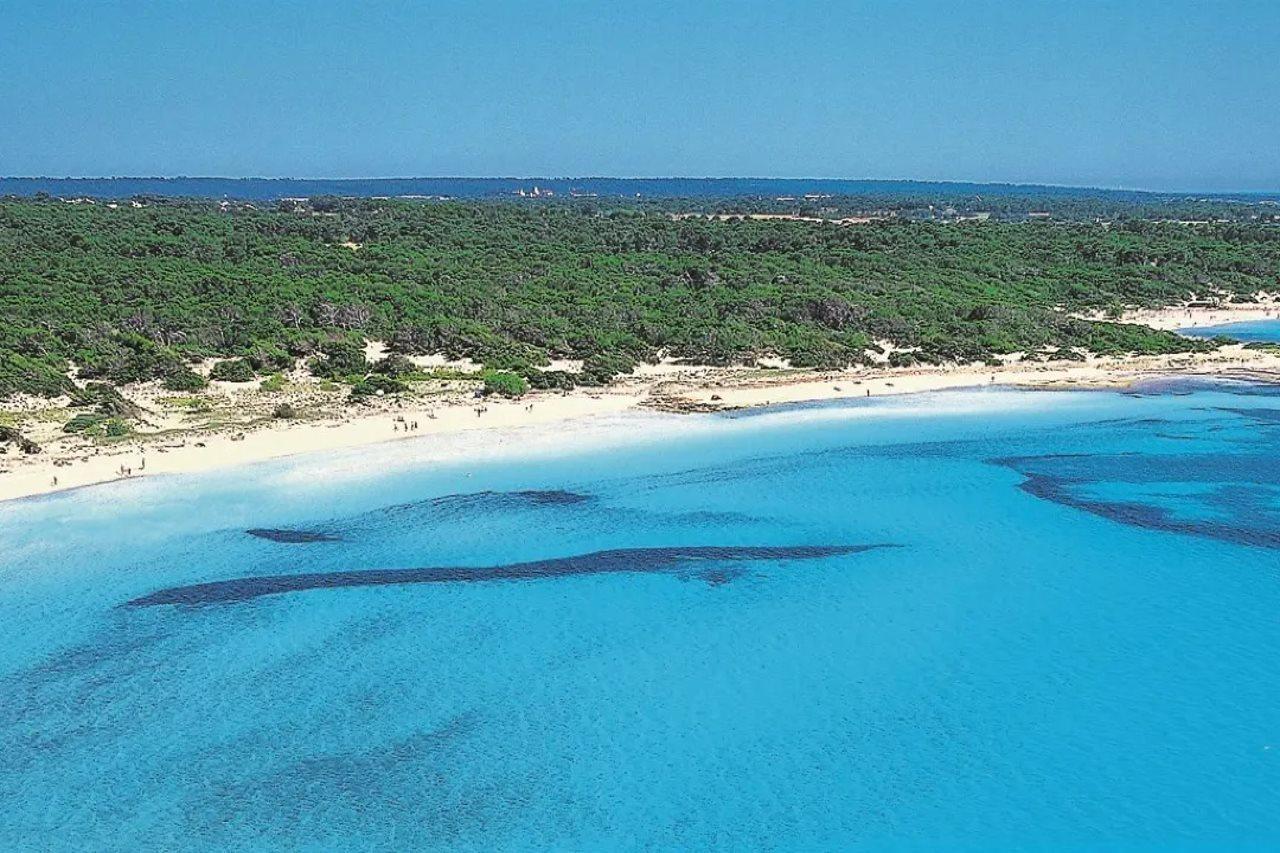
(142,290)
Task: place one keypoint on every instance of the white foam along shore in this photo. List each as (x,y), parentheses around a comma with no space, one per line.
(696,388)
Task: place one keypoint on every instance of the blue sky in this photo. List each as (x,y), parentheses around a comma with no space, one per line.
(1159,94)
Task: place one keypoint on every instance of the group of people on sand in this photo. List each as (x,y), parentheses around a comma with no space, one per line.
(127,471)
(121,471)
(409,426)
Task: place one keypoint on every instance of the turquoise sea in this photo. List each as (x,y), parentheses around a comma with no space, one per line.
(1265,331)
(991,619)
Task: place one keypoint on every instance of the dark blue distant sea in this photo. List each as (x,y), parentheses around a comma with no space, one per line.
(262,189)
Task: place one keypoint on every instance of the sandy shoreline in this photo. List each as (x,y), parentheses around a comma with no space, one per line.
(1173,319)
(691,389)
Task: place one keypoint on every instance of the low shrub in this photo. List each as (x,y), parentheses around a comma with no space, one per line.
(274,382)
(83,422)
(551,380)
(109,401)
(601,368)
(232,370)
(504,384)
(184,379)
(337,359)
(11,435)
(20,374)
(377,384)
(395,365)
(115,428)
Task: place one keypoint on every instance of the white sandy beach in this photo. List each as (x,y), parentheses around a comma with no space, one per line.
(1172,319)
(173,451)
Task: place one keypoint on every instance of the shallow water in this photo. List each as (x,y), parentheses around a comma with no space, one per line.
(668,633)
(1264,331)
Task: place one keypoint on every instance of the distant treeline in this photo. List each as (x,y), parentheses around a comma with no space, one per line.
(136,291)
(914,198)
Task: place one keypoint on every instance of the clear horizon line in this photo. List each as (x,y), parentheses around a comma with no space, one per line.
(942,181)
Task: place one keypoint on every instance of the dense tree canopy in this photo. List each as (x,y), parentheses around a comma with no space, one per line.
(132,292)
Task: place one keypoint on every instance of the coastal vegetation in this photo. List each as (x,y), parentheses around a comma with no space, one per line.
(504,383)
(808,197)
(232,370)
(10,435)
(148,290)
